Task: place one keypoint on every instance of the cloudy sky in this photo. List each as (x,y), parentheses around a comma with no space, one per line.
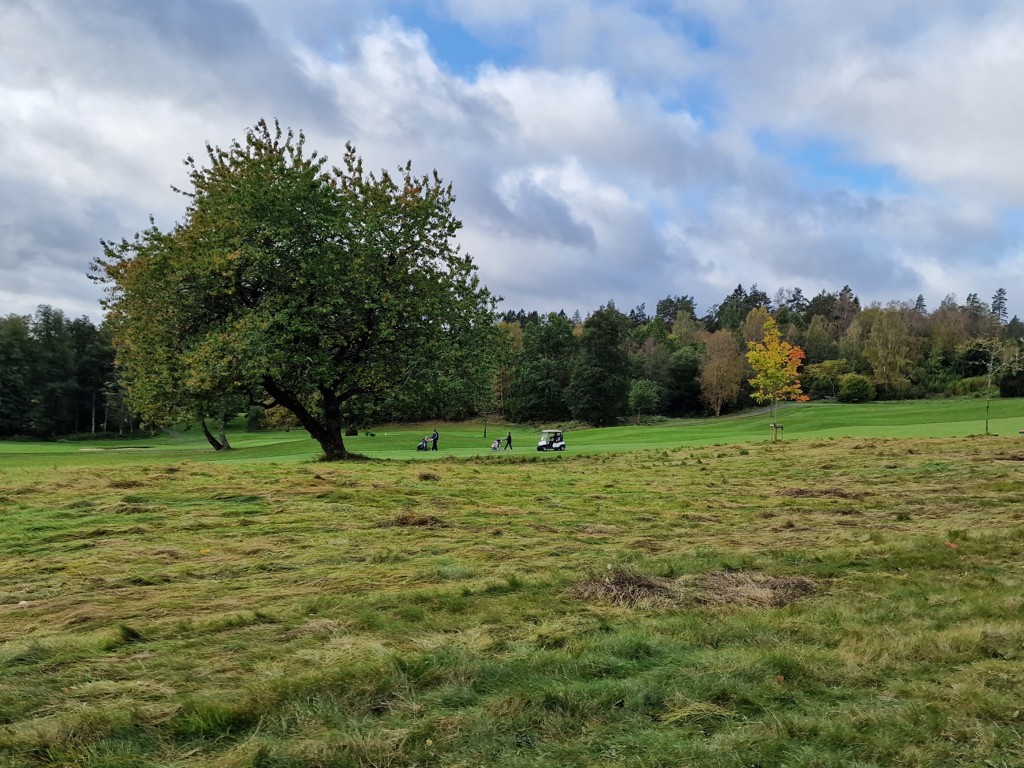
(599,149)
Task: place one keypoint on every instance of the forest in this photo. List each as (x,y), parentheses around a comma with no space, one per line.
(58,375)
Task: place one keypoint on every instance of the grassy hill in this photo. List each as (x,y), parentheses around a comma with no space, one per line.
(826,601)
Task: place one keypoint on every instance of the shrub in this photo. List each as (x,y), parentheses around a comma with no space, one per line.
(1012,384)
(855,388)
(974,385)
(255,419)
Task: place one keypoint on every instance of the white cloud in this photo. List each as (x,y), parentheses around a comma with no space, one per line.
(618,158)
(929,89)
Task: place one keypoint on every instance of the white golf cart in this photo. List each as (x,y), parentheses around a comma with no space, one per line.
(551,440)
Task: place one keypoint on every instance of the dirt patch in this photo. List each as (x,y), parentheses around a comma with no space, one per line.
(429,477)
(627,588)
(414,519)
(758,590)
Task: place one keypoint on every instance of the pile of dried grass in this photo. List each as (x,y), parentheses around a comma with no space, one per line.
(628,588)
(759,590)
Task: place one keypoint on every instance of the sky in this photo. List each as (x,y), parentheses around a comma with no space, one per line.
(600,150)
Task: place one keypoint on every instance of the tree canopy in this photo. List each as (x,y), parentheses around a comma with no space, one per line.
(599,387)
(775,363)
(320,290)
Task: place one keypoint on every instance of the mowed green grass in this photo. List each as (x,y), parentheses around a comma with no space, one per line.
(916,418)
(826,601)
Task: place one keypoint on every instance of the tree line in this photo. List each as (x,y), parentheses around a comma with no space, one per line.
(340,298)
(57,377)
(615,365)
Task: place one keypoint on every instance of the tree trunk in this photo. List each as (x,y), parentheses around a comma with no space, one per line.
(327,432)
(333,445)
(224,432)
(210,438)
(988,386)
(332,441)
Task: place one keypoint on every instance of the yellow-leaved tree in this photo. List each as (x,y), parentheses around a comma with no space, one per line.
(775,363)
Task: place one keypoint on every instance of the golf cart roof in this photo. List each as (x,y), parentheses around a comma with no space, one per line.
(551,431)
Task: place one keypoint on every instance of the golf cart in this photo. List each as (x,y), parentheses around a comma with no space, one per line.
(551,440)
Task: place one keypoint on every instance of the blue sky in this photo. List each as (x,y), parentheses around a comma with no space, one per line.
(600,149)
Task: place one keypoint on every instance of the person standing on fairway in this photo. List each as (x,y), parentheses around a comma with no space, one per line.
(508,442)
(433,440)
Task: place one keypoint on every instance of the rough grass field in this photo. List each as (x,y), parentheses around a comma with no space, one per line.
(826,601)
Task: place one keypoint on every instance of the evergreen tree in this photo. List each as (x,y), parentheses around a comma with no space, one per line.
(600,376)
(668,309)
(539,385)
(999,311)
(53,374)
(16,355)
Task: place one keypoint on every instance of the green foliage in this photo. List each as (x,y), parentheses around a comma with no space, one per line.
(974,385)
(855,388)
(682,390)
(599,387)
(823,379)
(255,419)
(1012,384)
(53,374)
(16,355)
(819,340)
(889,349)
(721,370)
(669,309)
(731,313)
(319,291)
(539,387)
(644,397)
(775,363)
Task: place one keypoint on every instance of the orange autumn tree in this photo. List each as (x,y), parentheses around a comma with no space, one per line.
(775,363)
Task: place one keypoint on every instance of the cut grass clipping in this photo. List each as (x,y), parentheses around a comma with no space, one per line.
(636,590)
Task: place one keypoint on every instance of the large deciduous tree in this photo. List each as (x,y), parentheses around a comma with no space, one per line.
(775,363)
(721,370)
(890,350)
(320,290)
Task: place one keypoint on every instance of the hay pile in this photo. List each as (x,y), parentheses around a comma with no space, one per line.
(627,588)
